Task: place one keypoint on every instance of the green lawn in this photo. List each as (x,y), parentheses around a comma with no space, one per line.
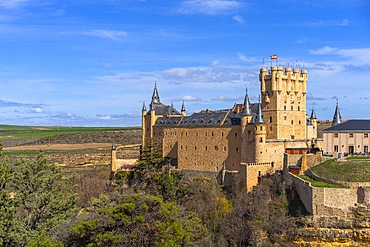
(363,158)
(12,131)
(349,171)
(315,183)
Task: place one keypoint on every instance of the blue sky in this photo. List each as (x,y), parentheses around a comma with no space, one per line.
(94,62)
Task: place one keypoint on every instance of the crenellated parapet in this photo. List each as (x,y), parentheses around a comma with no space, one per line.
(277,79)
(260,164)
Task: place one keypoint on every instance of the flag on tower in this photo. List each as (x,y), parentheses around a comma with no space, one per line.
(273,57)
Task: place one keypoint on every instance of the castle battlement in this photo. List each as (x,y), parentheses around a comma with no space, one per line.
(258,164)
(287,72)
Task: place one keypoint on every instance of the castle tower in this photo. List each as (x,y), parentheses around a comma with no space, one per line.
(143,123)
(284,102)
(149,118)
(313,121)
(246,112)
(337,118)
(246,119)
(183,111)
(113,162)
(157,110)
(155,97)
(259,134)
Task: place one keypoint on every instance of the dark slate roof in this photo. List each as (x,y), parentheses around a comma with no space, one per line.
(206,118)
(161,109)
(313,114)
(337,118)
(351,125)
(168,121)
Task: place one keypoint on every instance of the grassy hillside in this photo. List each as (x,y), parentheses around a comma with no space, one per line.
(349,170)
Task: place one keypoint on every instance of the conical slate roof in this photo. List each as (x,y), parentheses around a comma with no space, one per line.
(144,107)
(155,97)
(337,118)
(183,106)
(259,117)
(313,114)
(247,105)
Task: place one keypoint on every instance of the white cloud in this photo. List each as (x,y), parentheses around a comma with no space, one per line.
(107,34)
(225,98)
(324,51)
(189,98)
(36,110)
(322,23)
(354,56)
(11,4)
(246,59)
(239,19)
(209,7)
(180,72)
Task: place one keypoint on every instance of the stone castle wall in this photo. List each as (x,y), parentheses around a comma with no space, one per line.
(328,201)
(202,148)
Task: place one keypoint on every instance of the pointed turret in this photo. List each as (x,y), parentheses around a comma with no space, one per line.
(183,111)
(247,106)
(144,107)
(337,118)
(259,117)
(313,114)
(155,97)
(171,109)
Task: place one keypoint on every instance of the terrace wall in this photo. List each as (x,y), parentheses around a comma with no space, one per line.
(329,201)
(353,185)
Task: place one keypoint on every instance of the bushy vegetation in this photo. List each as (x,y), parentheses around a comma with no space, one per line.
(150,206)
(35,198)
(348,170)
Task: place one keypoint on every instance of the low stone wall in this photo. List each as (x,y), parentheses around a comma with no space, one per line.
(353,185)
(329,201)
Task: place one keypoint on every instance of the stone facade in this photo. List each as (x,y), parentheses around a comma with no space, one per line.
(248,138)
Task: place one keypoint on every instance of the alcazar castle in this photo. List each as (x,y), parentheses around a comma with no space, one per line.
(242,144)
(249,139)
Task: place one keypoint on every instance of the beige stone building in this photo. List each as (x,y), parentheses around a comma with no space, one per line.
(350,137)
(249,138)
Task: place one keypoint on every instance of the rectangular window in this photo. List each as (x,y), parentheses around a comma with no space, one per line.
(335,148)
(366,149)
(350,134)
(335,134)
(366,135)
(236,149)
